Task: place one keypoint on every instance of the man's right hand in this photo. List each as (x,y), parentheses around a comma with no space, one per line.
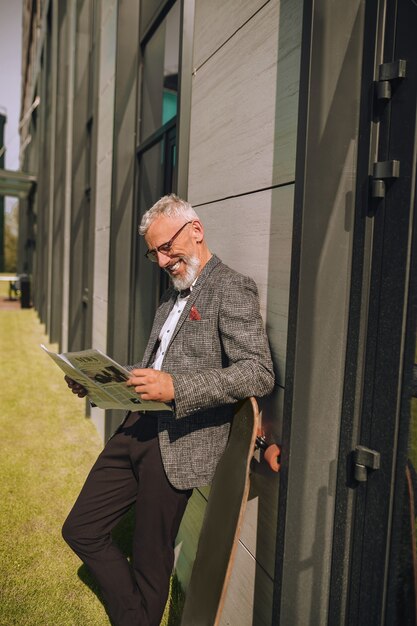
(75,387)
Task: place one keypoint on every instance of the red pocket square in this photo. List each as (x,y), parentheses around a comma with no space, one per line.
(194,313)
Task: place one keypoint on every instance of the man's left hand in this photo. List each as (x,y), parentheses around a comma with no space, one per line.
(152,384)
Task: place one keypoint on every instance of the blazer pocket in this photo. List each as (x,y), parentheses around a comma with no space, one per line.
(197,338)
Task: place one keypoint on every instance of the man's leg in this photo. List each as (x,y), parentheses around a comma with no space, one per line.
(108,493)
(159,511)
(129,468)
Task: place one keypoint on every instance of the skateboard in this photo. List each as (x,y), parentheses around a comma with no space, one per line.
(222,522)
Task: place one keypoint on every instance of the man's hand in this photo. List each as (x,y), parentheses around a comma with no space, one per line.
(75,387)
(152,384)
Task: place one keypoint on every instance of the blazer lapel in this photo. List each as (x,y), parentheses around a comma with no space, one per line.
(207,269)
(164,309)
(160,317)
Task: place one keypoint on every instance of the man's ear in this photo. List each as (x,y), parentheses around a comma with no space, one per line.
(198,231)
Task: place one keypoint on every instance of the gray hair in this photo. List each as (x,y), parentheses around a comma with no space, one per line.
(169,206)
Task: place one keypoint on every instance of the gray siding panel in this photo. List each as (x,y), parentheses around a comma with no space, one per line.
(187,539)
(241,181)
(216,21)
(253,234)
(249,600)
(253,77)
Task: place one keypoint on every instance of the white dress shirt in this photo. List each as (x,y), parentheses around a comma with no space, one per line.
(168,328)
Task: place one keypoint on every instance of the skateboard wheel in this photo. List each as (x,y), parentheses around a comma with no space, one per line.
(271,456)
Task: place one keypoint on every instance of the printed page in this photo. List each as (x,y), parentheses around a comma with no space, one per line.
(96,395)
(111,378)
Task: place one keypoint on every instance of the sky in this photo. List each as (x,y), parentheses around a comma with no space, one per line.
(10,79)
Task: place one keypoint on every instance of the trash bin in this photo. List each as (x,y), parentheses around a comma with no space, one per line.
(24,291)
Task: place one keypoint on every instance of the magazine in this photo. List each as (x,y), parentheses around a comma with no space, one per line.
(104,380)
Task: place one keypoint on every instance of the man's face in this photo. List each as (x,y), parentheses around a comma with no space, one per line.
(182,260)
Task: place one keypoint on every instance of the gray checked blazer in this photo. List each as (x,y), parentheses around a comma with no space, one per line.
(214,362)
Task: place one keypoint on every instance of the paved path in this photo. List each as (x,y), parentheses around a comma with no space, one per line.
(7,304)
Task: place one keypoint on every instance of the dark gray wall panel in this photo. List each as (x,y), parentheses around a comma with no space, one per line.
(123,217)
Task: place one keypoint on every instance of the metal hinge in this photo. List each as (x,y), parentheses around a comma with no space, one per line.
(364,461)
(387,74)
(383,171)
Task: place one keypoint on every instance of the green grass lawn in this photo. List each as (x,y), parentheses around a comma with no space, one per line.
(47,449)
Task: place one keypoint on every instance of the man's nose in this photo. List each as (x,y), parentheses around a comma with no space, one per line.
(163,259)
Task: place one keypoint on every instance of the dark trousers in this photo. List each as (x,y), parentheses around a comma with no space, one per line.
(129,472)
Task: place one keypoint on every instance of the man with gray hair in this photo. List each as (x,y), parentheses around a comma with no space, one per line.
(207,350)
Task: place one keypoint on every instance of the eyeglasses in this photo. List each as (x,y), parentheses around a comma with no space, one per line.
(152,255)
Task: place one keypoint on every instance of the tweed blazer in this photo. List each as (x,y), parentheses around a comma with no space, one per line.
(214,362)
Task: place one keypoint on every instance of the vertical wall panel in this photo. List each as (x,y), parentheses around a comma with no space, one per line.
(53,15)
(43,192)
(67,147)
(253,234)
(122,229)
(244,108)
(59,166)
(187,539)
(102,208)
(243,139)
(216,21)
(249,600)
(80,209)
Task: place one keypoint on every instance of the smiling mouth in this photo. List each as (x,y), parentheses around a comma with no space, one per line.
(174,267)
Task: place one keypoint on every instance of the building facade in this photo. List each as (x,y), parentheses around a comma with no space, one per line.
(263,114)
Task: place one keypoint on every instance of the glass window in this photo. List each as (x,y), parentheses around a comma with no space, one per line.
(157,172)
(160,74)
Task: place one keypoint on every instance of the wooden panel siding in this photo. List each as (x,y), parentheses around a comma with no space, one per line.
(244,108)
(241,182)
(249,598)
(187,539)
(216,21)
(250,590)
(253,235)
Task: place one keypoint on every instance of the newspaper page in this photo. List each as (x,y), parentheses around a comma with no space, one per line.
(96,396)
(104,380)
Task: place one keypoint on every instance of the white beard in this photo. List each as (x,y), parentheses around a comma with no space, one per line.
(192,267)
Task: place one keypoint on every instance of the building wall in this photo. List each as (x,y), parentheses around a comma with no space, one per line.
(275,100)
(243,82)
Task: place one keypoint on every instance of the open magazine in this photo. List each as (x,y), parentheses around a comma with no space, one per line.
(104,380)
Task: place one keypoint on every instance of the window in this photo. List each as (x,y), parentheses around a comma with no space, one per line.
(156,157)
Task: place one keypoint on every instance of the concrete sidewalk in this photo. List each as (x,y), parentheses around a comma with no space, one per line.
(7,304)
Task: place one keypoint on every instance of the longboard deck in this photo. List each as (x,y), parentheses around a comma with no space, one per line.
(222,522)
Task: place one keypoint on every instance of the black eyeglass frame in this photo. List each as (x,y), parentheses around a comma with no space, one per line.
(152,255)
